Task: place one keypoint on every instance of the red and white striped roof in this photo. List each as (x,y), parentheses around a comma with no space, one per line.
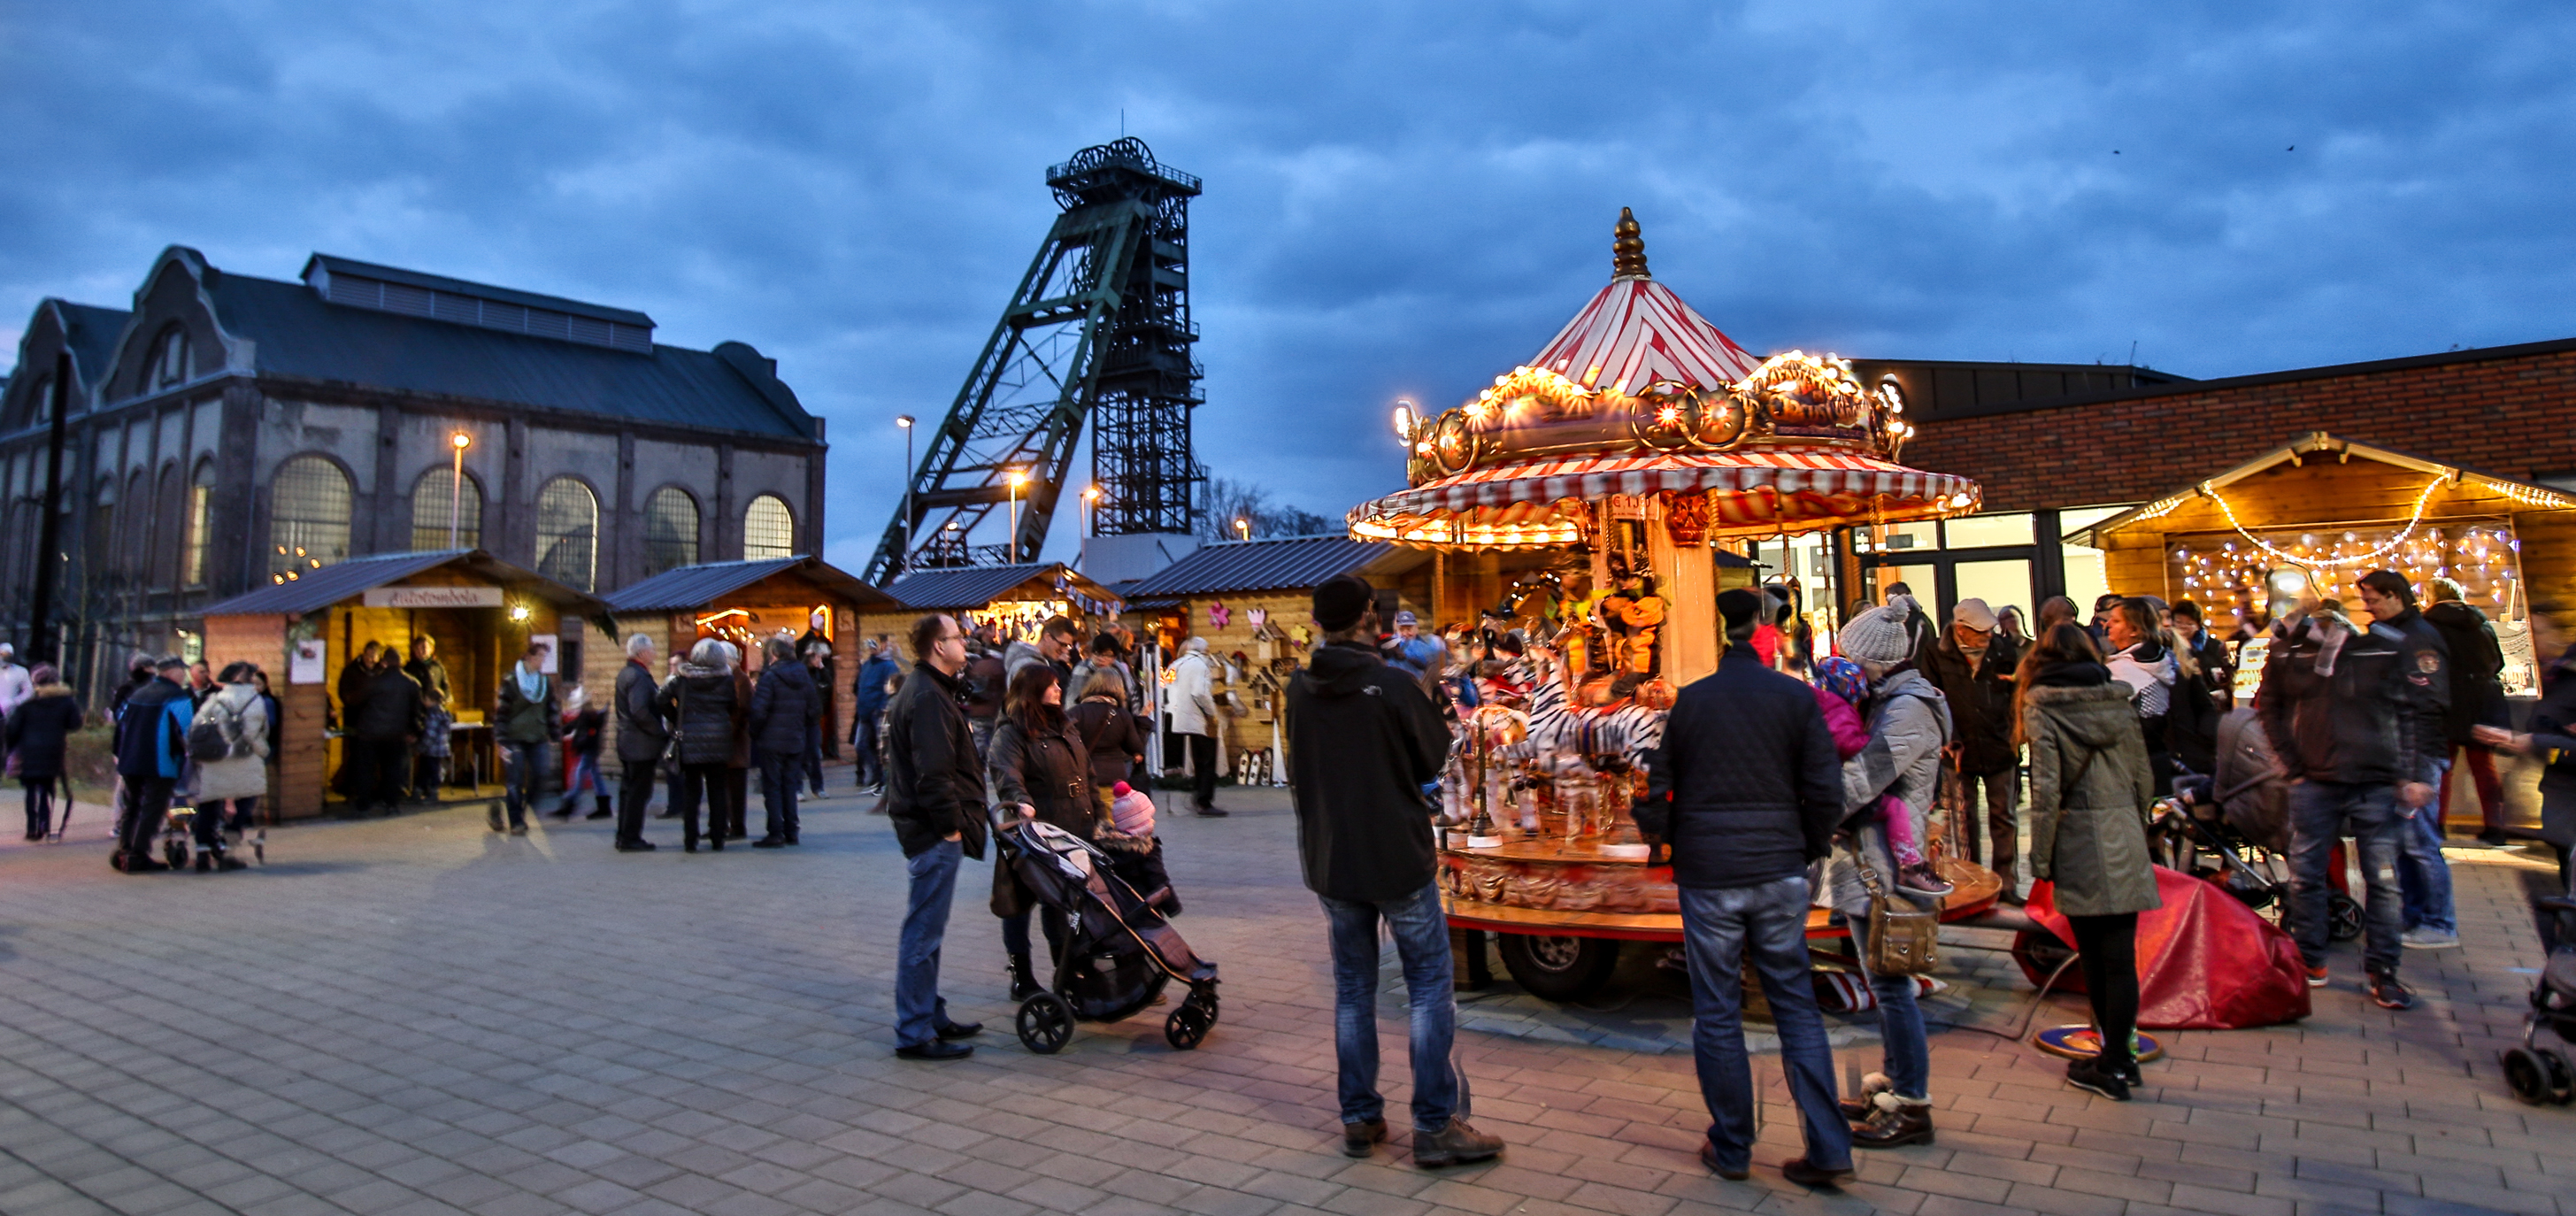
(1637,331)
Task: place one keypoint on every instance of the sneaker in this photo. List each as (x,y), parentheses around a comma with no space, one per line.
(2426,938)
(2091,1076)
(1456,1144)
(2316,977)
(1920,882)
(1359,1139)
(2387,993)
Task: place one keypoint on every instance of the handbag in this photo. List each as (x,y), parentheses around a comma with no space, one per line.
(1904,937)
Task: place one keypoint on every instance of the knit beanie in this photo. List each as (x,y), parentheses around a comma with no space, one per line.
(1878,636)
(1843,678)
(1341,601)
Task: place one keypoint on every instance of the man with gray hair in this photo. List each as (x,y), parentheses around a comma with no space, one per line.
(641,739)
(1193,708)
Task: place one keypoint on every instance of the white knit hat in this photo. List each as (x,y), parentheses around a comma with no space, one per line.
(1878,636)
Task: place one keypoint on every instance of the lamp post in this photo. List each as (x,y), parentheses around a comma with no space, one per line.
(1091,504)
(456,492)
(1019,477)
(1243,528)
(905,421)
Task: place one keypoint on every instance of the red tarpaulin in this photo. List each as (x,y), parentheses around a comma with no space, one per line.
(2205,961)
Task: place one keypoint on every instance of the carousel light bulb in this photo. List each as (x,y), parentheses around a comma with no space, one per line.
(1403,419)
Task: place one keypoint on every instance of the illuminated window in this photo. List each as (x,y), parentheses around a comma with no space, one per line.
(670,531)
(568,533)
(433,498)
(768,529)
(308,515)
(199,539)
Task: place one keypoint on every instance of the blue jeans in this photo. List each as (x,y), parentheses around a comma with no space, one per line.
(520,764)
(585,775)
(1906,1052)
(813,758)
(1769,920)
(1421,933)
(780,774)
(2423,875)
(2320,812)
(918,1009)
(870,768)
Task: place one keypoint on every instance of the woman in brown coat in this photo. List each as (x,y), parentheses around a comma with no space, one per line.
(1041,768)
(1116,743)
(2090,788)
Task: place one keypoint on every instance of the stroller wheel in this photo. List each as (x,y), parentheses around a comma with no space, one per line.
(2561,1078)
(2526,1076)
(2343,917)
(1046,1023)
(1187,1026)
(175,852)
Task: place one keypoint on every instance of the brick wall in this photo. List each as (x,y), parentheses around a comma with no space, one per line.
(2508,411)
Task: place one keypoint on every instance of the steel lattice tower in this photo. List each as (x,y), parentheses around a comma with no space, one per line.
(1100,326)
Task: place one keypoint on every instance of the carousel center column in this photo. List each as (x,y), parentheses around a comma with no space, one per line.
(1677,545)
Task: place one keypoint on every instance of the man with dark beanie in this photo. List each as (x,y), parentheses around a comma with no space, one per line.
(1746,791)
(1362,739)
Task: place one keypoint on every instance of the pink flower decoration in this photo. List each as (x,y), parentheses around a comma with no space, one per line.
(1218,613)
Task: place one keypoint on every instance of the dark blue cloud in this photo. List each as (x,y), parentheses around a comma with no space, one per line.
(1402,199)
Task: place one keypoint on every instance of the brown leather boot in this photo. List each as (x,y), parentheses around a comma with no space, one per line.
(1894,1124)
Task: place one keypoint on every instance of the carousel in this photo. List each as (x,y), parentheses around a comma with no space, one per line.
(1587,506)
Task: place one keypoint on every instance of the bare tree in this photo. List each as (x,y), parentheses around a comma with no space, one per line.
(1226,504)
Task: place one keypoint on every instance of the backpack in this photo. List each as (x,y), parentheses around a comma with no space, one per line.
(212,736)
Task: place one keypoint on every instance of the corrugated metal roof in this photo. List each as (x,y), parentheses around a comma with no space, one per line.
(701,585)
(298,333)
(331,584)
(336,265)
(1257,565)
(968,587)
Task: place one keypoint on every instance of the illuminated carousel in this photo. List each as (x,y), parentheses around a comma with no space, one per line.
(1592,491)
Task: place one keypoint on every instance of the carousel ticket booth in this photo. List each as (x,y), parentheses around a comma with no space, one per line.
(746,603)
(479,612)
(2306,520)
(1589,498)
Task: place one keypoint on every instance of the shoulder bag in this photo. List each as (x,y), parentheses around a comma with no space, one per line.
(1904,937)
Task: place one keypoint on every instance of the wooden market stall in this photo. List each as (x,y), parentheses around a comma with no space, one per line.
(746,603)
(1015,600)
(303,630)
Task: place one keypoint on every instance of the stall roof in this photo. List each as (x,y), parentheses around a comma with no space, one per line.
(2320,443)
(976,586)
(331,584)
(701,585)
(1256,565)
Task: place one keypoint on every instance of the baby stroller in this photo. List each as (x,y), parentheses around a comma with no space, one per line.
(1118,951)
(2233,828)
(2538,1074)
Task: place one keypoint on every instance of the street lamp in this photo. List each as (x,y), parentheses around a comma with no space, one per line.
(1091,502)
(1018,478)
(1243,528)
(905,421)
(456,493)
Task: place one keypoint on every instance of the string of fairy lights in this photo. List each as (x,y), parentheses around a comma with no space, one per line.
(2481,557)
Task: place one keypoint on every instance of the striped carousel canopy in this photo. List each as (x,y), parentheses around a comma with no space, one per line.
(1638,331)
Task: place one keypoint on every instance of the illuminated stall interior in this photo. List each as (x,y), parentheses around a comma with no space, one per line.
(1015,600)
(747,603)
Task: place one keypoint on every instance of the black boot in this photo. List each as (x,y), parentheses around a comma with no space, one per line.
(1024,983)
(602,812)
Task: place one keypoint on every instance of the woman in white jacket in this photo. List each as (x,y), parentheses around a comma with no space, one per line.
(1193,707)
(238,781)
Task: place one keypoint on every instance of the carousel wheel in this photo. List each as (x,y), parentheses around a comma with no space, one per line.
(2561,1078)
(1559,968)
(2343,917)
(1045,1024)
(2526,1076)
(1187,1026)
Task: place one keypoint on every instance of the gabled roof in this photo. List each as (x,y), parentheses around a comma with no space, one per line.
(1256,565)
(91,333)
(320,589)
(1637,331)
(976,586)
(701,585)
(2320,443)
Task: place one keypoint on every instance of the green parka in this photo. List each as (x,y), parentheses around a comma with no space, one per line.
(2089,838)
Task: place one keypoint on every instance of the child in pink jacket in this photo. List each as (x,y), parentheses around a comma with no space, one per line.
(1840,688)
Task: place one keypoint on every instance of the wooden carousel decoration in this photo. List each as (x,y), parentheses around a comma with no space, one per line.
(1639,439)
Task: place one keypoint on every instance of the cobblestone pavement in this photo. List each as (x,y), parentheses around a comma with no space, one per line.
(413,1016)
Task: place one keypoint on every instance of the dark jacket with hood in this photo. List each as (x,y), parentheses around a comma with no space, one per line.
(2089,791)
(869,691)
(525,720)
(2477,658)
(1980,702)
(388,708)
(1051,772)
(1111,736)
(785,707)
(1747,788)
(702,708)
(38,729)
(642,736)
(1362,739)
(2365,709)
(152,731)
(933,784)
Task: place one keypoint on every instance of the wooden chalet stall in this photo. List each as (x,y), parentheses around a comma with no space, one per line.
(480,611)
(745,603)
(1014,599)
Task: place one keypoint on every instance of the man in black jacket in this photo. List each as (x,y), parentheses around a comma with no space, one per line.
(641,739)
(1362,739)
(784,709)
(2356,717)
(1747,791)
(935,799)
(383,724)
(1973,665)
(2477,699)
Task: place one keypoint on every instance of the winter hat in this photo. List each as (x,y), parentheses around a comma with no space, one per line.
(1975,615)
(1879,635)
(1843,678)
(1739,606)
(1341,601)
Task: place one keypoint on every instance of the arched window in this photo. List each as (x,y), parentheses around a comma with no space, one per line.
(169,522)
(768,529)
(134,542)
(433,498)
(670,531)
(102,530)
(308,515)
(170,362)
(198,540)
(568,533)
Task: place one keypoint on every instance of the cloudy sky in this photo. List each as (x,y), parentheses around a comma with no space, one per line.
(1402,199)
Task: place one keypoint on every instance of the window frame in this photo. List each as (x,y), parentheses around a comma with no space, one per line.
(544,552)
(695,532)
(284,555)
(789,549)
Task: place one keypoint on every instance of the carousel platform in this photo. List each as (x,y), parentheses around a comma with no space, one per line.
(1978,891)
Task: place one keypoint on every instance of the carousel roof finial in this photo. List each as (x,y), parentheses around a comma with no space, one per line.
(1628,252)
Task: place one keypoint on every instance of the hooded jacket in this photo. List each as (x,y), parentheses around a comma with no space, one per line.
(869,693)
(702,708)
(1909,722)
(1745,786)
(388,707)
(522,720)
(1362,739)
(245,773)
(39,727)
(1191,701)
(1112,737)
(1980,697)
(784,707)
(933,784)
(2089,792)
(2374,716)
(2477,658)
(152,731)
